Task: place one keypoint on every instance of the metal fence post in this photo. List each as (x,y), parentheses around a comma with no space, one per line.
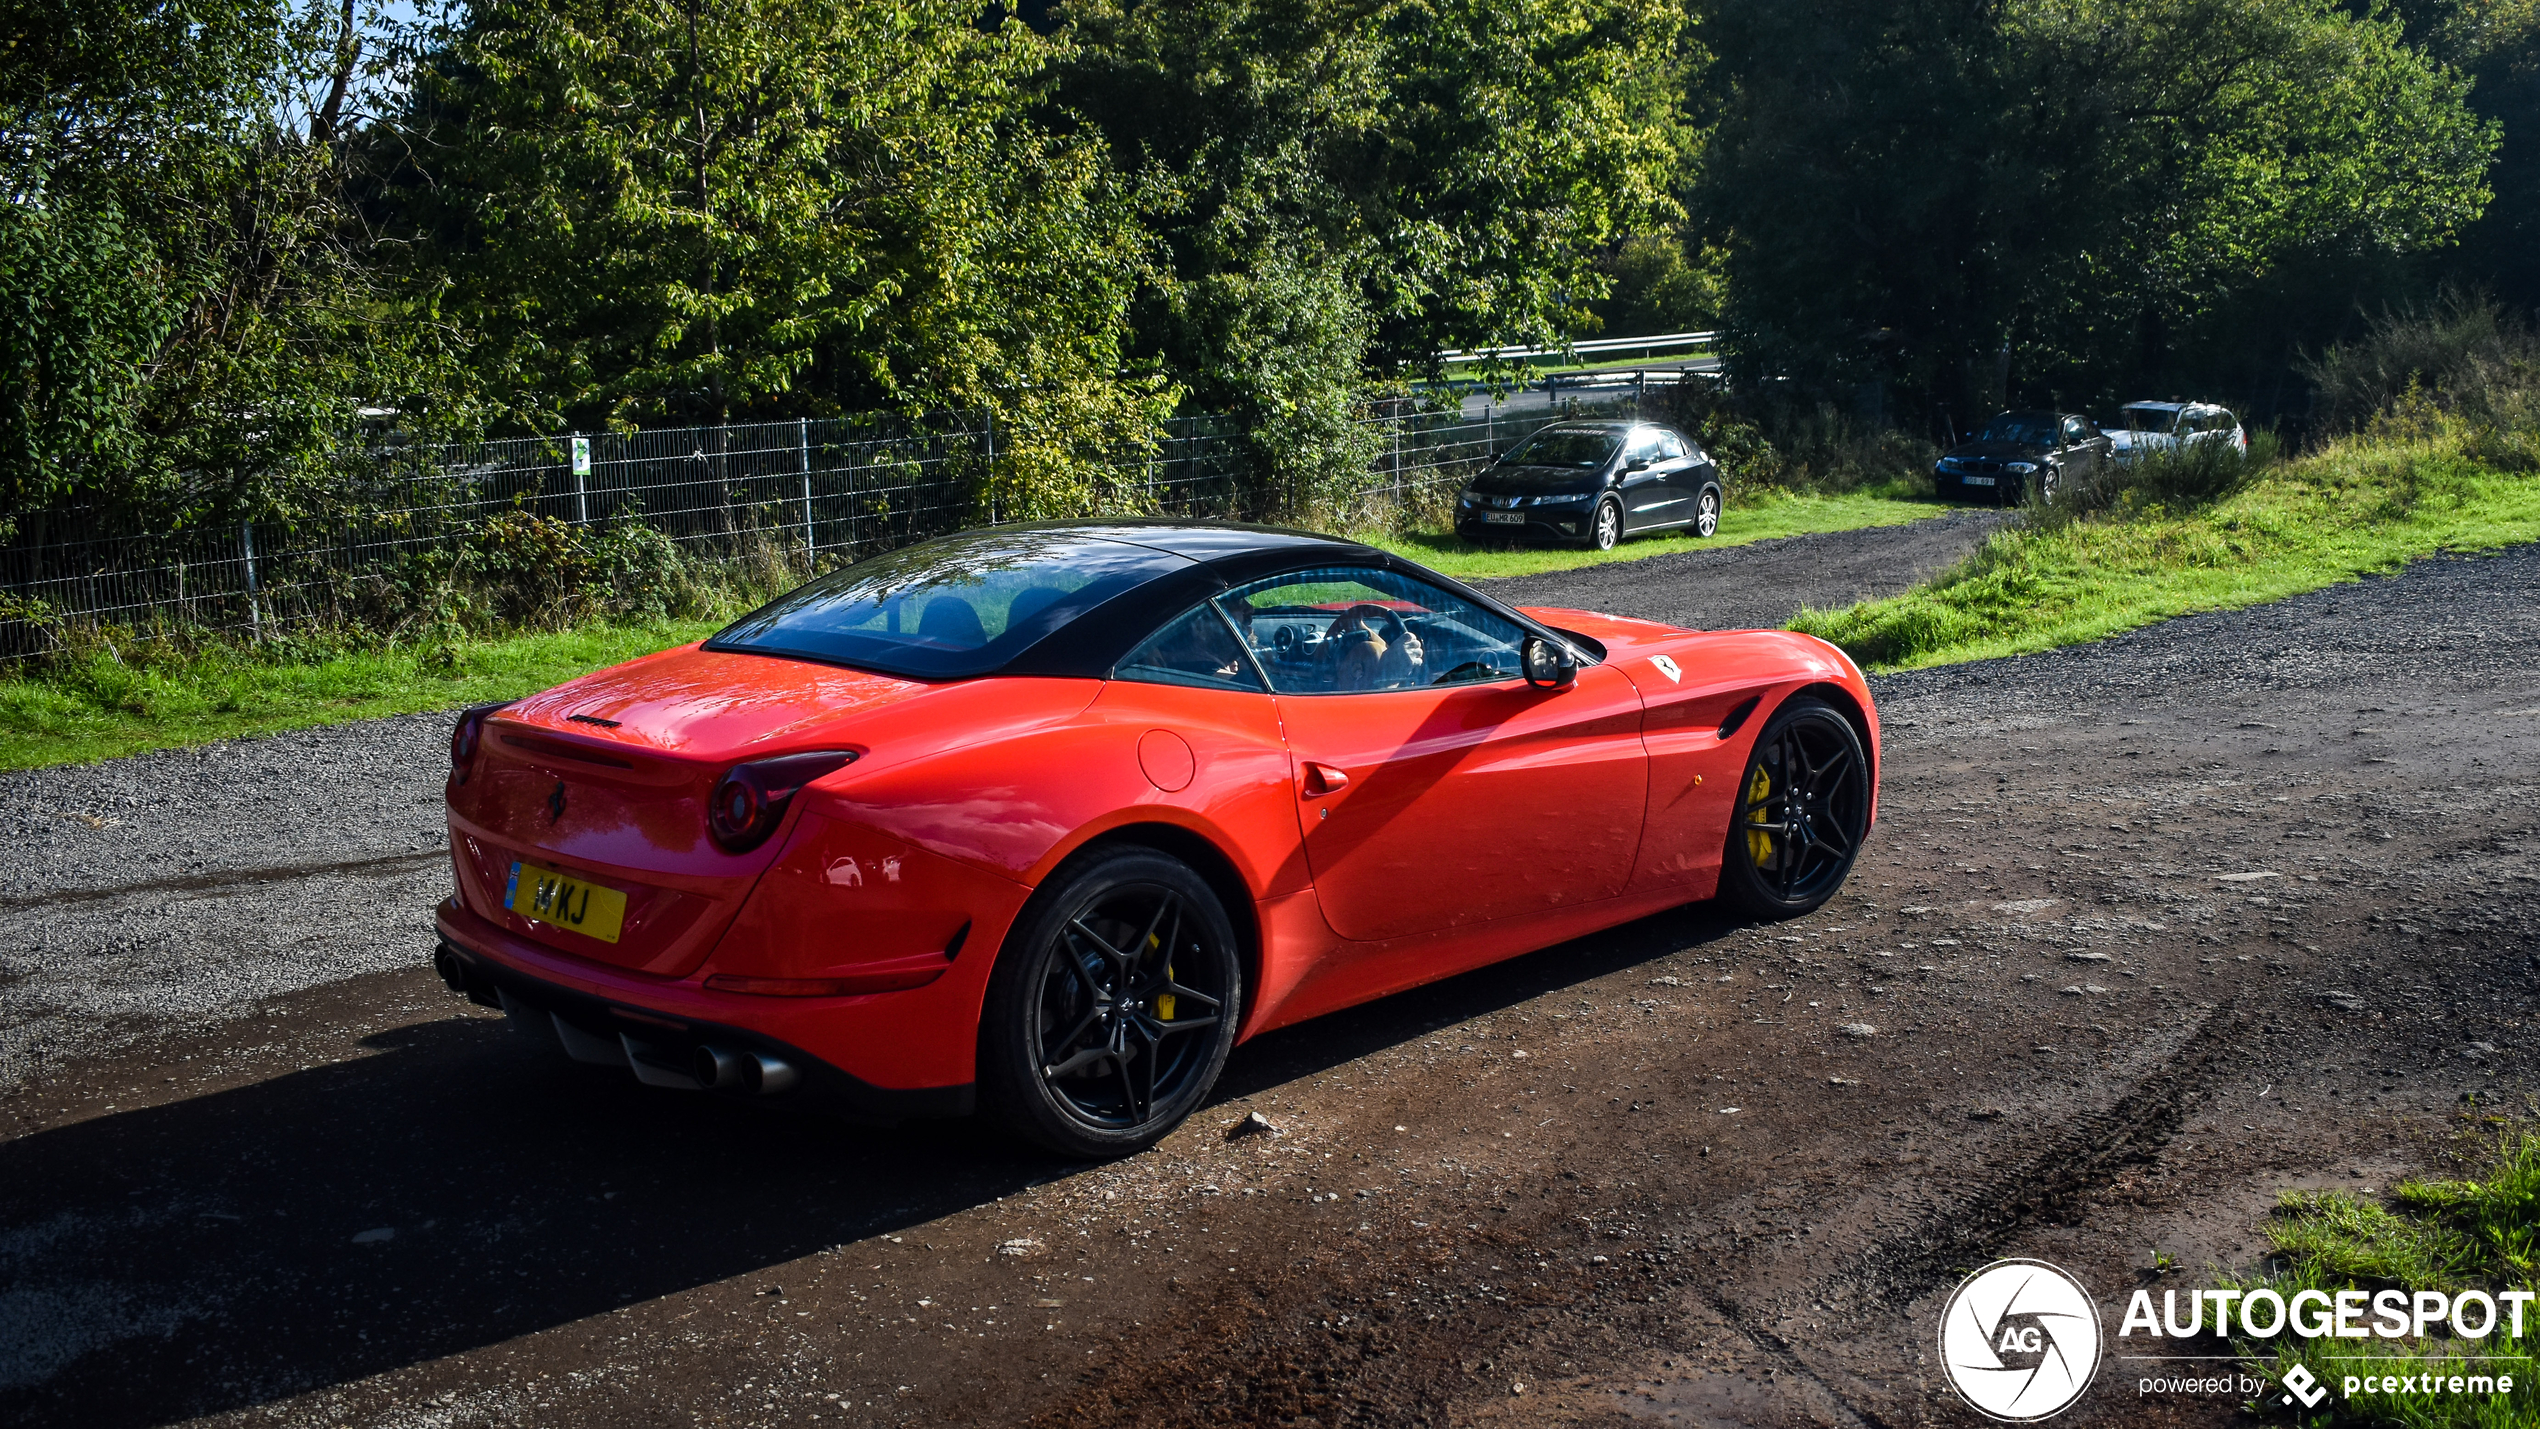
(802,453)
(247,544)
(1640,391)
(992,465)
(1397,457)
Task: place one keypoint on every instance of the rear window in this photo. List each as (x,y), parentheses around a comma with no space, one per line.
(1557,446)
(964,605)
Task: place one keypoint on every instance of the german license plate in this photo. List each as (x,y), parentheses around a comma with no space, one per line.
(1504,518)
(1976,480)
(565,901)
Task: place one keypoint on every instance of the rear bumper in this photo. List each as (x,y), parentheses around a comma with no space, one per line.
(660,1026)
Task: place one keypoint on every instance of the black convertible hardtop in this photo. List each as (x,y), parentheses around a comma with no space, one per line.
(1066,598)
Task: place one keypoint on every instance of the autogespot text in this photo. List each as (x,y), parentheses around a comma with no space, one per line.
(2472,1315)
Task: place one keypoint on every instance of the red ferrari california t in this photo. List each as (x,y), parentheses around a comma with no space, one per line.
(1044,819)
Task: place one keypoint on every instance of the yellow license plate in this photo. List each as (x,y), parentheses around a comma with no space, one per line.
(565,901)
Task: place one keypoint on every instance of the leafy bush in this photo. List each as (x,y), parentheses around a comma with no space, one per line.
(522,570)
(2172,480)
(1799,447)
(2460,358)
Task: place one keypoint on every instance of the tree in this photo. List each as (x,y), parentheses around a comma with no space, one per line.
(696,210)
(189,322)
(1347,187)
(1964,195)
(2496,45)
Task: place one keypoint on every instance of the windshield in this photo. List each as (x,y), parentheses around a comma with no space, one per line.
(963,605)
(2028,429)
(2150,419)
(1558,446)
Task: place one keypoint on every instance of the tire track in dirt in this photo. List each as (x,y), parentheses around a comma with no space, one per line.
(228,878)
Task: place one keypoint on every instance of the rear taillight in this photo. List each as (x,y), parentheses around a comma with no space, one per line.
(466,735)
(749,802)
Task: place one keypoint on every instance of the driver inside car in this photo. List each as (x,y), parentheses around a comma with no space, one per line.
(1374,650)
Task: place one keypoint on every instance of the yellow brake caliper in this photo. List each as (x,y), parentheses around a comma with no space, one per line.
(1163,1001)
(1759,844)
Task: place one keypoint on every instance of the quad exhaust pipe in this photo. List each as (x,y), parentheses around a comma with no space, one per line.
(729,1069)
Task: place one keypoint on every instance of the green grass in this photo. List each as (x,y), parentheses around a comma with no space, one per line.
(2475,1234)
(1755,517)
(101,707)
(2351,510)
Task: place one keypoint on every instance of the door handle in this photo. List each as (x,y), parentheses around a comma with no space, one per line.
(1321,779)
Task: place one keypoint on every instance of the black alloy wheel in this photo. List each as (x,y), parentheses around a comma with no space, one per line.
(1802,811)
(1606,526)
(1112,1007)
(2049,481)
(1706,513)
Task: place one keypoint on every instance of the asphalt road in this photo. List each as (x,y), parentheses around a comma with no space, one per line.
(2149,930)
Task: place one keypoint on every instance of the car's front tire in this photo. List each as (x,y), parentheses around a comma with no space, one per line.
(1802,811)
(1112,1007)
(1605,528)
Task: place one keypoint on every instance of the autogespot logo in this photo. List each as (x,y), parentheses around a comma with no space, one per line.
(2020,1340)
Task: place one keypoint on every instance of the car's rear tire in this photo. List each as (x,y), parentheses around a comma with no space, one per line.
(1706,513)
(1112,1007)
(1605,528)
(1786,857)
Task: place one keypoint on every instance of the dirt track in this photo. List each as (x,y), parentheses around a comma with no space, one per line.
(1522,1196)
(1762,584)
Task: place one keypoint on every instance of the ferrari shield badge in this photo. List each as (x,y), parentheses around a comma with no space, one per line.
(1667,668)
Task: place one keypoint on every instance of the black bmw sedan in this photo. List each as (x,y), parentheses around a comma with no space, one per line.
(2022,452)
(1595,483)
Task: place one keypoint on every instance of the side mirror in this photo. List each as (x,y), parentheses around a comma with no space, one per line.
(1549,665)
(1638,463)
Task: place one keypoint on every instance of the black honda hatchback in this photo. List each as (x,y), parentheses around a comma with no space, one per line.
(1593,483)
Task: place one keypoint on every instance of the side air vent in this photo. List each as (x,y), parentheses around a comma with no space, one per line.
(1737,717)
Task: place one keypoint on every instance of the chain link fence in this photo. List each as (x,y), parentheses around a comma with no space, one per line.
(808,494)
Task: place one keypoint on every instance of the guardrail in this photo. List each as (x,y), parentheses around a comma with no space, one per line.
(1660,342)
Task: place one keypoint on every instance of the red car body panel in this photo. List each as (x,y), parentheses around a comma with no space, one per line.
(1469,804)
(1468,825)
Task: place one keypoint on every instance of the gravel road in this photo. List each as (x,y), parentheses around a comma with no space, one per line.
(2150,930)
(1763,584)
(193,883)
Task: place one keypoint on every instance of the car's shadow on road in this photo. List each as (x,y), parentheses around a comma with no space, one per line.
(464,1187)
